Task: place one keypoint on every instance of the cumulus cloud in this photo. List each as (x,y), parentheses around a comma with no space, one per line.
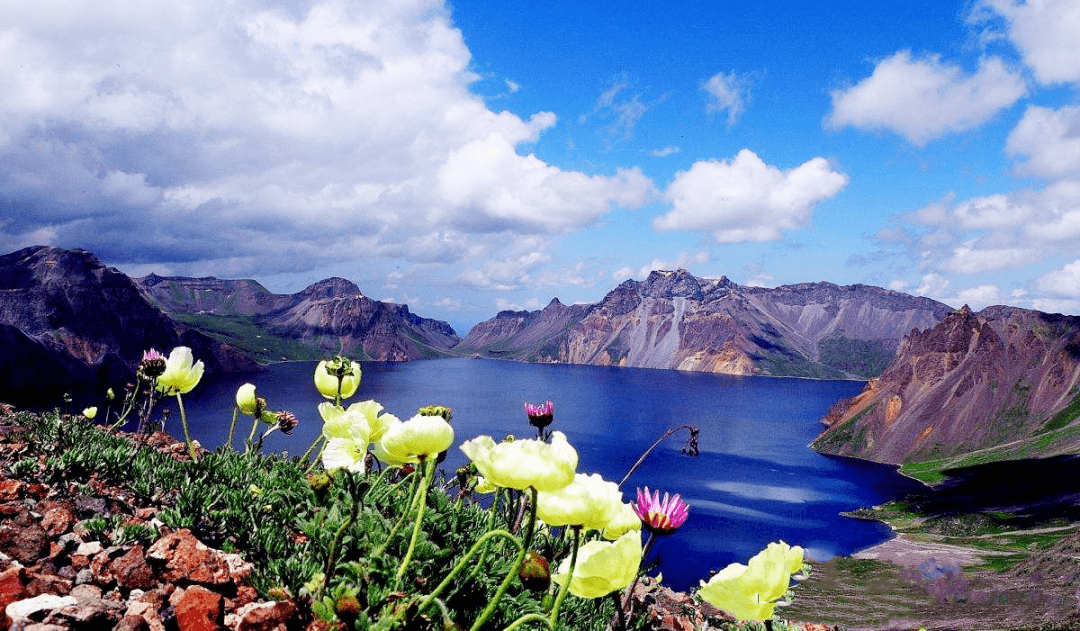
(747,200)
(1045,32)
(1062,282)
(1047,142)
(921,99)
(267,137)
(728,92)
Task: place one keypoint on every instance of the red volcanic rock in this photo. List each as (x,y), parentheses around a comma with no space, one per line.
(11,590)
(198,609)
(185,559)
(132,571)
(22,539)
(268,616)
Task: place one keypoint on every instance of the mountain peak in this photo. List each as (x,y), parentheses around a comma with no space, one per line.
(335,287)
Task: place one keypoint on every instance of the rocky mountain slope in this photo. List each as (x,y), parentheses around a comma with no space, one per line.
(676,320)
(331,316)
(68,323)
(1003,383)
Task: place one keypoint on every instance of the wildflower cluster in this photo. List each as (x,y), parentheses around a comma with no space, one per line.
(542,529)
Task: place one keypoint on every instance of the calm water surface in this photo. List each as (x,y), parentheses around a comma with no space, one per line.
(755,481)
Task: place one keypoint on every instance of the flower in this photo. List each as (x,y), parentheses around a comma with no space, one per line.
(245,399)
(750,592)
(348,451)
(589,501)
(152,364)
(419,437)
(603,567)
(181,373)
(540,415)
(521,464)
(661,517)
(327,374)
(90,412)
(625,520)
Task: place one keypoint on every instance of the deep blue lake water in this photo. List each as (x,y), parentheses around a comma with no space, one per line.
(755,480)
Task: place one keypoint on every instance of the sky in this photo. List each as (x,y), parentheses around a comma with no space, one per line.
(468,156)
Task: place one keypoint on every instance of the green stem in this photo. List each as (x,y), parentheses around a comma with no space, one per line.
(527,618)
(480,543)
(335,546)
(232,427)
(251,434)
(491,525)
(512,574)
(565,587)
(310,449)
(187,434)
(429,470)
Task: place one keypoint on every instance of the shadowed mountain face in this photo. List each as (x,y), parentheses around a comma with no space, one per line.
(331,316)
(1004,382)
(676,320)
(68,323)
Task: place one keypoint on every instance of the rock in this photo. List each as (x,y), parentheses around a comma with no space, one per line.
(87,615)
(11,489)
(198,609)
(185,560)
(132,571)
(148,613)
(56,521)
(22,610)
(132,623)
(24,542)
(268,616)
(11,590)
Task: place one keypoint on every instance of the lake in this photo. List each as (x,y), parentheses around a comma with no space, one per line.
(755,480)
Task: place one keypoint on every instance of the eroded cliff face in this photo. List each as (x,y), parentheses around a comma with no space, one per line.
(70,323)
(331,315)
(974,382)
(676,320)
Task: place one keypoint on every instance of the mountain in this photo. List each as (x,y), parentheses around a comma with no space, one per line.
(68,323)
(676,320)
(1003,383)
(331,316)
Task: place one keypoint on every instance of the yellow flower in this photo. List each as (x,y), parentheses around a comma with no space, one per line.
(90,412)
(419,437)
(327,381)
(181,373)
(245,399)
(625,520)
(524,463)
(750,592)
(339,422)
(602,566)
(589,501)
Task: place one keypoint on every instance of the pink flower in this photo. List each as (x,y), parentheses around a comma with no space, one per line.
(540,415)
(660,517)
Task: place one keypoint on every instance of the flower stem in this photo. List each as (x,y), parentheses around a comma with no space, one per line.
(476,547)
(429,468)
(512,574)
(565,587)
(527,618)
(232,427)
(187,434)
(335,545)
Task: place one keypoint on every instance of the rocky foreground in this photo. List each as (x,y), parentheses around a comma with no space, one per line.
(87,555)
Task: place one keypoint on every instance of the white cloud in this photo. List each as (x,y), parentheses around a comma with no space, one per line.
(666,151)
(727,92)
(978,297)
(1062,282)
(932,285)
(266,134)
(970,259)
(923,99)
(685,260)
(619,104)
(1045,32)
(1049,140)
(746,199)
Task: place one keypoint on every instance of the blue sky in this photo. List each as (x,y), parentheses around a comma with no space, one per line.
(469,156)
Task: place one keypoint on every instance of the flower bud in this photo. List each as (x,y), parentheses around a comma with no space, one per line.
(320,483)
(153,363)
(287,421)
(436,410)
(535,572)
(540,416)
(347,607)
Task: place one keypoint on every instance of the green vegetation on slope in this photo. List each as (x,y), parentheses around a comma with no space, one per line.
(859,358)
(244,333)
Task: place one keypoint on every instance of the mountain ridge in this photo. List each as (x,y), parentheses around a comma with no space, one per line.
(676,320)
(970,385)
